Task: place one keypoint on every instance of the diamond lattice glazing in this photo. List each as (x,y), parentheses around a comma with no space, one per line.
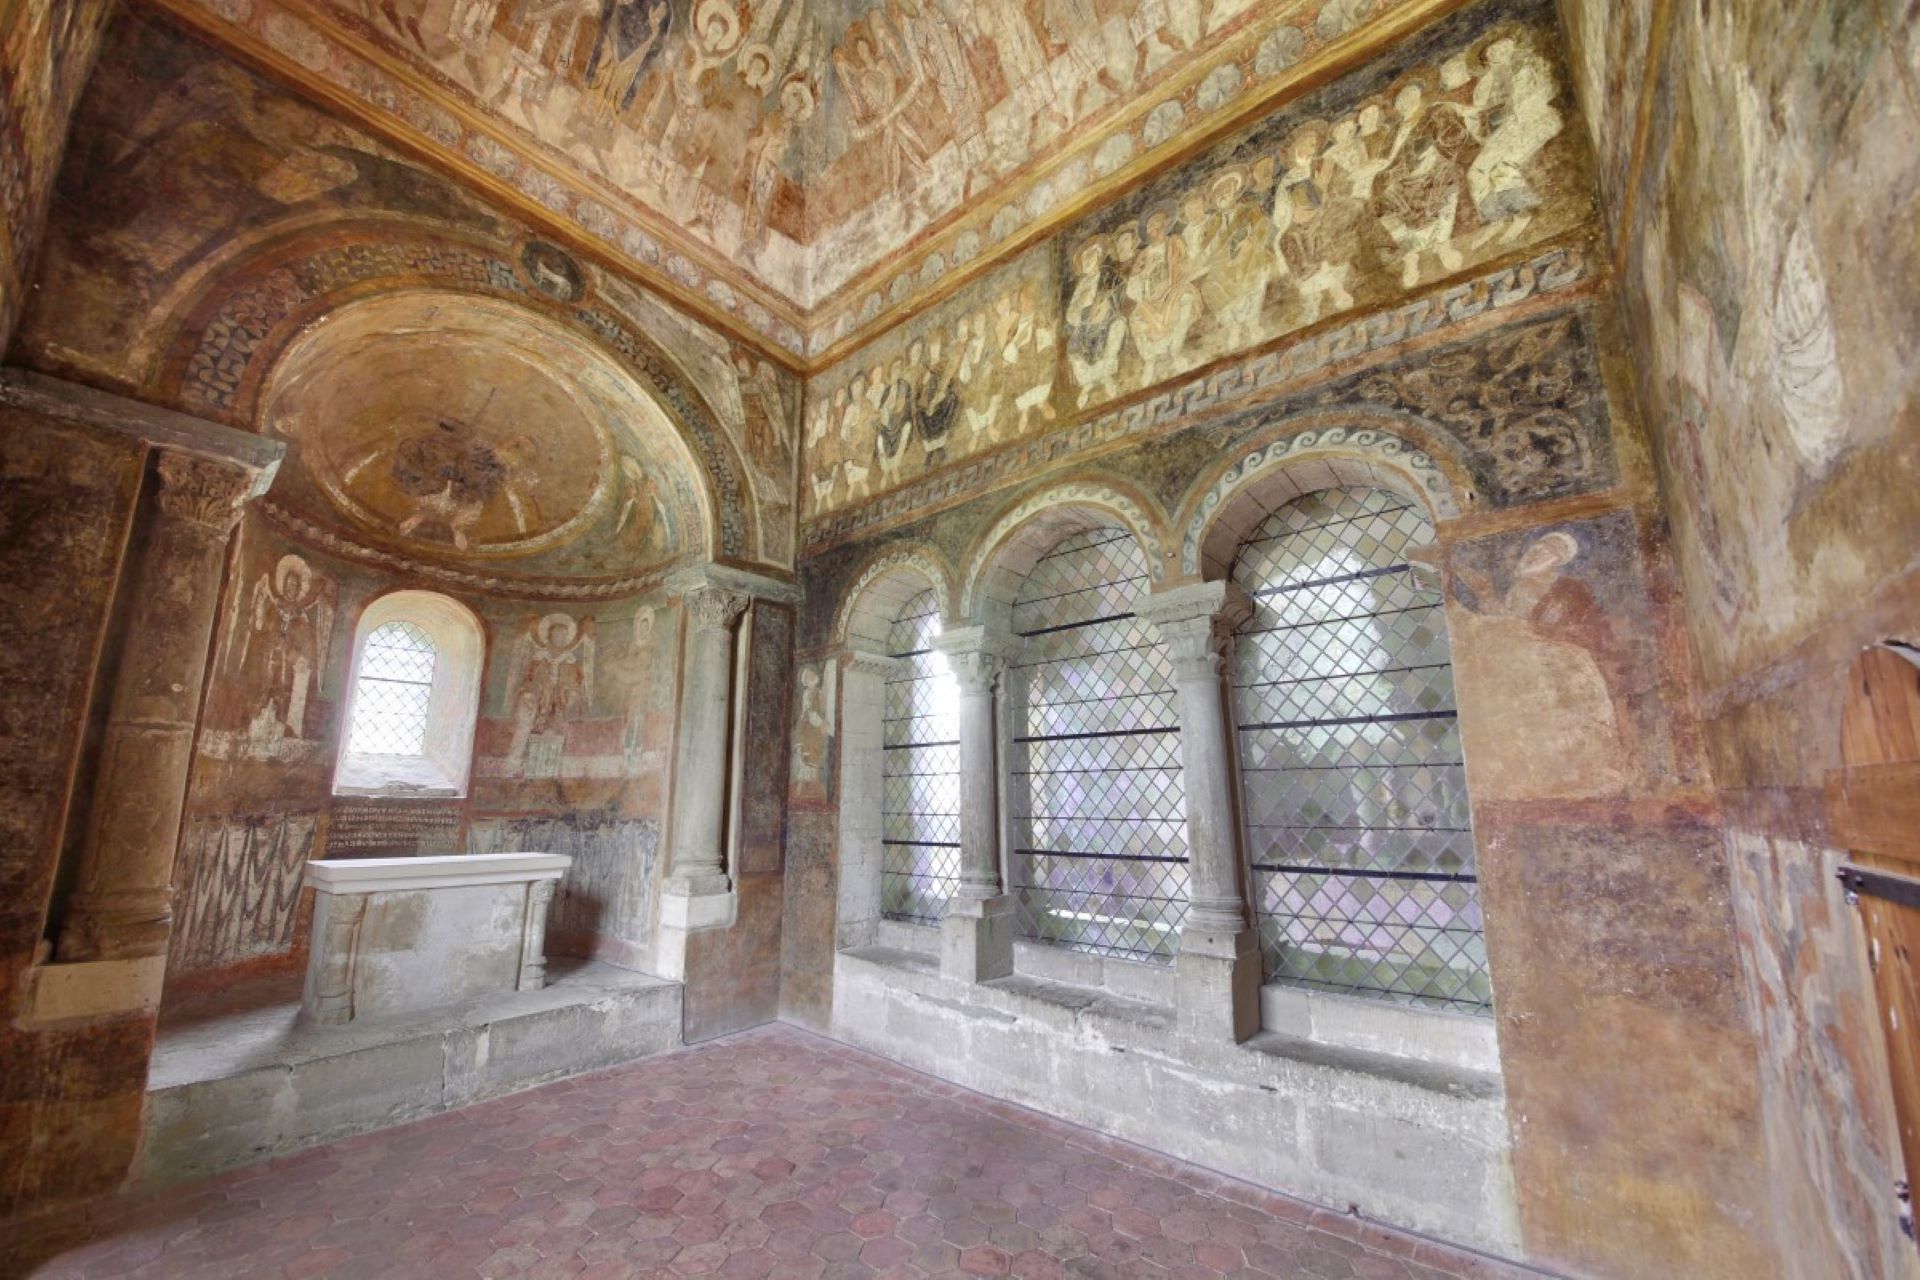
(1354,794)
(1099,861)
(920,788)
(391,694)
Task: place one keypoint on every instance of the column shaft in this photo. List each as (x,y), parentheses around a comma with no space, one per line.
(1219,963)
(700,790)
(122,907)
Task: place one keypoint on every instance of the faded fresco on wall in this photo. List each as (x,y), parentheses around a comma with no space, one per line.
(238,882)
(973,372)
(576,697)
(608,891)
(1772,256)
(46,51)
(815,736)
(1607,45)
(1552,626)
(1828,1117)
(1455,156)
(1349,198)
(573,747)
(457,429)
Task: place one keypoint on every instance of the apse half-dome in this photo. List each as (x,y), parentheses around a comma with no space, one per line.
(464,430)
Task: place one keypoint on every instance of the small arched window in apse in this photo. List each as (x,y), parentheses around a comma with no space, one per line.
(1099,857)
(390,699)
(1354,786)
(920,787)
(413,698)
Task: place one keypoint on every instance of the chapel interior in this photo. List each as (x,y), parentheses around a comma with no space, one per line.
(842,638)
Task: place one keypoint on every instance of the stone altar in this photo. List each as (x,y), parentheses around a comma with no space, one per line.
(397,935)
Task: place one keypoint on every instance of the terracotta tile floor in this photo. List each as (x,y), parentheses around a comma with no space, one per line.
(771,1153)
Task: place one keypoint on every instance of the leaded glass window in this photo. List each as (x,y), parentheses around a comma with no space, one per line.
(1354,791)
(920,740)
(1099,857)
(390,694)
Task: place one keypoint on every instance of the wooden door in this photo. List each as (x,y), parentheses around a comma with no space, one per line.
(1874,806)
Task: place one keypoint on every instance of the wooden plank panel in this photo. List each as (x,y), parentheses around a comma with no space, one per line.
(1876,809)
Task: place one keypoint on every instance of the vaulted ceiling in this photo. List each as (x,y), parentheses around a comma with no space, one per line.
(802,172)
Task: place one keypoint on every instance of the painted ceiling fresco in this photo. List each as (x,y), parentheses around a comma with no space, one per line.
(796,165)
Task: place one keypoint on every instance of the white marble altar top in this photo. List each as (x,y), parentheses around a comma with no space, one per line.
(435,871)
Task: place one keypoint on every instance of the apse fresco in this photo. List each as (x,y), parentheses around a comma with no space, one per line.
(460,431)
(1457,156)
(422,440)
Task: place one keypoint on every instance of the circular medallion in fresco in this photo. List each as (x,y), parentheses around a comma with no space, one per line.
(459,441)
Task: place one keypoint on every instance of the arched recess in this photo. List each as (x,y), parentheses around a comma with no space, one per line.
(1035,524)
(1873,803)
(874,599)
(224,341)
(869,618)
(1316,451)
(417,656)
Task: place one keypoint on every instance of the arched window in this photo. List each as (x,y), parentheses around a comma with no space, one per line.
(413,697)
(1354,792)
(1099,851)
(920,743)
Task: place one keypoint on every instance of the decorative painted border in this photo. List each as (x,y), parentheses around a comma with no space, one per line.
(1382,444)
(1051,497)
(307,531)
(919,559)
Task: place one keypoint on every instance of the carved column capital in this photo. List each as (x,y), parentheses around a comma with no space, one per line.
(716,608)
(978,656)
(1197,623)
(205,491)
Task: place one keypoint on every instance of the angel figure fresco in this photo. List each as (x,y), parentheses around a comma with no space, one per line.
(551,683)
(881,80)
(766,149)
(289,631)
(764,411)
(1096,327)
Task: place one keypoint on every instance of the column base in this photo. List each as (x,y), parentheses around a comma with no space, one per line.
(976,939)
(701,901)
(1217,984)
(66,990)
